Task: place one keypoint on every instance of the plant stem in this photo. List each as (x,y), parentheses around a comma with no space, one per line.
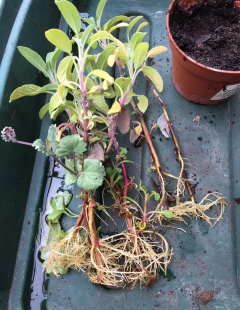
(183,173)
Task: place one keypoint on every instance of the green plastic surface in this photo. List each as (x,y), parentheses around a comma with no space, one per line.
(205,260)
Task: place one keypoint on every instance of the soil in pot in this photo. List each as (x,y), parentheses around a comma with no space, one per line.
(210,33)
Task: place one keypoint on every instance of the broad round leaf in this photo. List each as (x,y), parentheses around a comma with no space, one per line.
(92,175)
(71,144)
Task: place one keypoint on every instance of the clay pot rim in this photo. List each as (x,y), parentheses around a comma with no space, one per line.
(171,7)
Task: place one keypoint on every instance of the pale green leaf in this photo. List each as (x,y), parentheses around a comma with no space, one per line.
(120,25)
(44,110)
(99,11)
(64,69)
(70,14)
(103,56)
(30,90)
(153,75)
(114,20)
(103,75)
(111,60)
(141,26)
(124,83)
(34,58)
(115,108)
(156,51)
(98,102)
(92,175)
(104,35)
(140,54)
(69,178)
(142,103)
(136,38)
(86,34)
(58,38)
(168,214)
(72,144)
(133,23)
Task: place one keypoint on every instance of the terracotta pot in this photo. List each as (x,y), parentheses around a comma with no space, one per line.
(196,82)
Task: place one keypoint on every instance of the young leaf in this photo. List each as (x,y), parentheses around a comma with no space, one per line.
(113,21)
(64,69)
(92,175)
(103,75)
(58,206)
(40,146)
(123,121)
(58,38)
(70,14)
(72,144)
(133,23)
(153,75)
(136,38)
(104,55)
(99,11)
(140,54)
(34,58)
(120,25)
(111,60)
(156,51)
(44,110)
(116,107)
(104,35)
(123,83)
(142,103)
(141,26)
(168,214)
(30,90)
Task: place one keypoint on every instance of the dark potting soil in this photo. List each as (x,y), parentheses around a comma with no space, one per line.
(209,33)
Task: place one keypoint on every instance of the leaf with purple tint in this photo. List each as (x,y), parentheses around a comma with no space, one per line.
(96,152)
(123,121)
(164,126)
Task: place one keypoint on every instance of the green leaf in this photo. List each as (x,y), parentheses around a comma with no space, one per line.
(70,14)
(86,34)
(120,25)
(156,51)
(168,214)
(124,83)
(104,35)
(52,59)
(92,175)
(99,103)
(69,178)
(153,75)
(58,38)
(114,20)
(133,23)
(142,103)
(103,75)
(71,144)
(34,58)
(64,69)
(115,108)
(55,234)
(136,38)
(44,110)
(57,100)
(58,206)
(140,54)
(103,56)
(141,26)
(99,11)
(40,146)
(52,139)
(30,90)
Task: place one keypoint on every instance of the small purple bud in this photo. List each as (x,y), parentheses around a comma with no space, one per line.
(8,134)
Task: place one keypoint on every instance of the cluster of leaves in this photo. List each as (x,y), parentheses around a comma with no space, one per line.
(95,103)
